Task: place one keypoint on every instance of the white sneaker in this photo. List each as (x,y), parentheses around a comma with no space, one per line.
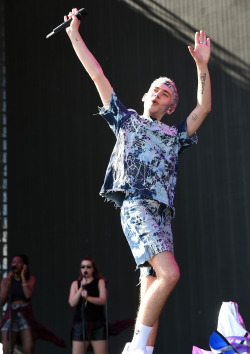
(135,351)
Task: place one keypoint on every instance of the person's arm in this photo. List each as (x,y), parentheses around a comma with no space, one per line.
(75,294)
(5,285)
(101,299)
(88,61)
(27,285)
(201,55)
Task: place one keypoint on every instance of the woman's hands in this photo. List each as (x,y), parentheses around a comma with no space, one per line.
(84,292)
(24,272)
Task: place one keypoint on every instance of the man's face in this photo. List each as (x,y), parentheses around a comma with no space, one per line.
(157,101)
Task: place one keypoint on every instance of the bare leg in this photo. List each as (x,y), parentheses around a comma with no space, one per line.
(146,282)
(5,341)
(167,272)
(77,347)
(99,346)
(28,342)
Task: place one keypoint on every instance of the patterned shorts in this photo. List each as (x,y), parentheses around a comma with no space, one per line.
(19,323)
(147,226)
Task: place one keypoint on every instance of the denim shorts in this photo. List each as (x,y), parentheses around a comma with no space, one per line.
(146,224)
(19,323)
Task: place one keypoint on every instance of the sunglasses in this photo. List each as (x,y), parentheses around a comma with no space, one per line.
(86,266)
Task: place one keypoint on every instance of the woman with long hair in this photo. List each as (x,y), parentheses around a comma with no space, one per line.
(17,290)
(88,296)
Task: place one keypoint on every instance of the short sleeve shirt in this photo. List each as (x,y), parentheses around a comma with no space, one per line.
(144,160)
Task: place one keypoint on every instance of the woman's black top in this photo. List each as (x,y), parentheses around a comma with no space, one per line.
(91,312)
(17,293)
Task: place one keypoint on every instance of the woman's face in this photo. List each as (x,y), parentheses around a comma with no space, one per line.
(18,263)
(87,268)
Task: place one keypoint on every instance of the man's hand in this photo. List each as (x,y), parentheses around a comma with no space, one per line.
(201,52)
(88,60)
(75,23)
(201,55)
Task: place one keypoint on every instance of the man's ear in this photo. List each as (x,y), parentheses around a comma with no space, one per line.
(170,109)
(144,97)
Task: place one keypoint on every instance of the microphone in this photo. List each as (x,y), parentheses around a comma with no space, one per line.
(13,268)
(80,14)
(84,276)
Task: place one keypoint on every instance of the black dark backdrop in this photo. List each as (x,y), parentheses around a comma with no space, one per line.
(58,152)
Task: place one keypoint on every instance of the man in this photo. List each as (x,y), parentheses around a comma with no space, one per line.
(141,175)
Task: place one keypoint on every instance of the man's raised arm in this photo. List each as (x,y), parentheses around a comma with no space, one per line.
(201,55)
(88,60)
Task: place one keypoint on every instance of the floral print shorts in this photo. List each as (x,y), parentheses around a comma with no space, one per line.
(146,224)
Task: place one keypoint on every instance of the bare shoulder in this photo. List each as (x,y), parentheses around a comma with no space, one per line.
(74,284)
(101,282)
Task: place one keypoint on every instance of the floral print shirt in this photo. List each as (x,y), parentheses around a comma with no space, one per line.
(144,160)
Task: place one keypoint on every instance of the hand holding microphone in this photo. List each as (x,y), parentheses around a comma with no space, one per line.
(11,273)
(84,281)
(79,14)
(84,292)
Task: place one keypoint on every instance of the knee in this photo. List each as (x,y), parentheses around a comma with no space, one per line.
(175,276)
(171,277)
